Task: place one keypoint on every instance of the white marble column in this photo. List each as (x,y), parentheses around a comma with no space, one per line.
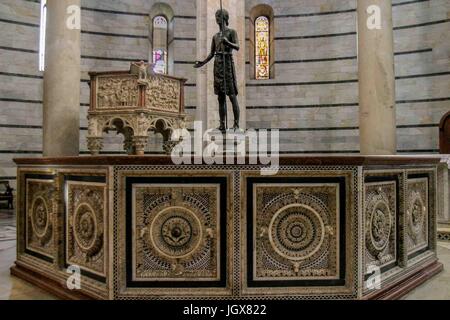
(207,105)
(61,112)
(378,134)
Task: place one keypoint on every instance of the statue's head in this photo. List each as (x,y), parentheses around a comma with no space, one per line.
(222,14)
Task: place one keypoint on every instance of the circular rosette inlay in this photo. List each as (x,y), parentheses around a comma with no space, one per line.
(380,226)
(176,232)
(85,229)
(297,232)
(40,219)
(416,215)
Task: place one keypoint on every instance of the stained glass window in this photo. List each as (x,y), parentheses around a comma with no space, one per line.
(160,44)
(160,22)
(160,61)
(262,46)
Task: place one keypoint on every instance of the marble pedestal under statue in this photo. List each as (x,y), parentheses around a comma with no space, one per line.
(143,228)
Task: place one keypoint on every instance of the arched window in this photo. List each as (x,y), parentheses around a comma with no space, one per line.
(160,45)
(262,43)
(262,48)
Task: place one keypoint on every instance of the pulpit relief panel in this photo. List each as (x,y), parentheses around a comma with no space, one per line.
(116,92)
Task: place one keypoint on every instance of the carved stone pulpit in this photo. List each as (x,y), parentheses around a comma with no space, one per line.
(135,103)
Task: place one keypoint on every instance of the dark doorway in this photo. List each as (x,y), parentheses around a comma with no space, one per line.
(444,131)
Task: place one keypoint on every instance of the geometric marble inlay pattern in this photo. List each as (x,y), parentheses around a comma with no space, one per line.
(86,226)
(296,232)
(176,233)
(228,232)
(417,215)
(40,210)
(380,223)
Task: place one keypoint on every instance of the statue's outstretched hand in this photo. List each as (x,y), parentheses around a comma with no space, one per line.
(198,64)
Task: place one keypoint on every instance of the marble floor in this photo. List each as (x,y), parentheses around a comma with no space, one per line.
(12,288)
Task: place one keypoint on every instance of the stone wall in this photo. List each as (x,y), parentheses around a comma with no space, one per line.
(315,76)
(422,44)
(21,84)
(313,98)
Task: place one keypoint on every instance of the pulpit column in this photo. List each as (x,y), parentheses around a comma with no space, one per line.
(61,110)
(378,134)
(207,105)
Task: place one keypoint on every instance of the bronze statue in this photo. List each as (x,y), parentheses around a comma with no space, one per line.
(225,84)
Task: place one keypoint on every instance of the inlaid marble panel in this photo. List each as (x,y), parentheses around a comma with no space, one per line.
(296,232)
(417,210)
(40,211)
(86,226)
(380,228)
(176,233)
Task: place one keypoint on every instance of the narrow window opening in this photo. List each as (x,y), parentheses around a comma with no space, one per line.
(42,35)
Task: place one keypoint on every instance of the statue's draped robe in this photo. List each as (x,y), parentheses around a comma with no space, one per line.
(230,72)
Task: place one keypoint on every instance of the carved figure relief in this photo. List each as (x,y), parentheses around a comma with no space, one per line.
(85,239)
(163,94)
(141,69)
(176,233)
(117,92)
(297,230)
(40,211)
(380,223)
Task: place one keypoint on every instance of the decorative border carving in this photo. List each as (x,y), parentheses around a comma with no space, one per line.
(444,235)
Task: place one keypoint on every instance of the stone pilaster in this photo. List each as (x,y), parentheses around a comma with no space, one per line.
(61,116)
(378,134)
(443,193)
